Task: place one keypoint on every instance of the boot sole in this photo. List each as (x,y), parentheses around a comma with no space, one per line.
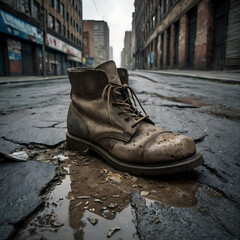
(83,146)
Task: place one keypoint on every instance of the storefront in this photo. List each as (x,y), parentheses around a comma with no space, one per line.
(60,56)
(74,57)
(2,71)
(20,43)
(56,53)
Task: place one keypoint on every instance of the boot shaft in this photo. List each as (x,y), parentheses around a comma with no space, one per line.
(97,103)
(87,84)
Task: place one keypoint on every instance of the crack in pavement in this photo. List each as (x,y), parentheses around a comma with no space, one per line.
(16,142)
(200,139)
(153,219)
(51,126)
(233,117)
(177,106)
(150,79)
(198,104)
(215,172)
(33,143)
(22,185)
(222,179)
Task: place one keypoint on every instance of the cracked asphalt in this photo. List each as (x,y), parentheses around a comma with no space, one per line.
(199,204)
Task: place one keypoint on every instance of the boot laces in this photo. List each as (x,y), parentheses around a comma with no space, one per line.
(122,99)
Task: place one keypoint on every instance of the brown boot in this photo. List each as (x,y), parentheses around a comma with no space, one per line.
(102,118)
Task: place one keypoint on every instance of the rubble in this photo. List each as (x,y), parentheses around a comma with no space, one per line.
(93,221)
(55,223)
(112,205)
(144,193)
(112,231)
(19,156)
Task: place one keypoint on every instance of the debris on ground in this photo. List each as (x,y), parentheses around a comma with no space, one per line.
(19,156)
(113,177)
(144,193)
(112,205)
(60,157)
(112,231)
(55,223)
(83,197)
(61,171)
(93,221)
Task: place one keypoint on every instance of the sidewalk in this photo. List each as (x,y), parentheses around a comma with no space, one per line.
(231,77)
(17,79)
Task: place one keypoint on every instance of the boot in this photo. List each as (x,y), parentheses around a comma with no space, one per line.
(103,117)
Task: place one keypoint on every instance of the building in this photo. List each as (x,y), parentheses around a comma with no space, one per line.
(40,37)
(126,55)
(133,41)
(98,40)
(88,42)
(187,34)
(111,53)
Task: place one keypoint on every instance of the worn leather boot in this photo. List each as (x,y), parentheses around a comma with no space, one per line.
(103,117)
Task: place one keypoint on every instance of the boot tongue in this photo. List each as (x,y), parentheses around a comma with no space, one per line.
(110,69)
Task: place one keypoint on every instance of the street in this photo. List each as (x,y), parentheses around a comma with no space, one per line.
(59,194)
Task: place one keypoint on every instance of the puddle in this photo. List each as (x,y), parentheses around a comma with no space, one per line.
(123,220)
(64,218)
(193,102)
(94,198)
(56,209)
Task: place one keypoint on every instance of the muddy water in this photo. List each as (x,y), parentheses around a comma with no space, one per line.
(92,198)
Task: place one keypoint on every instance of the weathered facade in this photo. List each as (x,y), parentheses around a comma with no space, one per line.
(88,42)
(40,37)
(98,39)
(187,34)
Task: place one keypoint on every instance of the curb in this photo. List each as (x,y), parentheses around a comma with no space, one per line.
(206,78)
(9,81)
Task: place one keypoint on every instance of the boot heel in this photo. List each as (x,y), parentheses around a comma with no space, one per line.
(73,144)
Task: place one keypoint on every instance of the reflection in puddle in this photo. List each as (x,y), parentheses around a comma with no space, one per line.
(45,223)
(94,198)
(122,220)
(63,219)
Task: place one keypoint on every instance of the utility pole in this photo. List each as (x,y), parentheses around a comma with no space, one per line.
(44,34)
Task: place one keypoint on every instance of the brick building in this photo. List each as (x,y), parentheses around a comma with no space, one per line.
(96,42)
(187,34)
(40,37)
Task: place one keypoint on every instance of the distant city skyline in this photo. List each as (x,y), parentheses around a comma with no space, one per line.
(117,14)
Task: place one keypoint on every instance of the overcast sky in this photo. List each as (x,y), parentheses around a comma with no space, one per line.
(118,15)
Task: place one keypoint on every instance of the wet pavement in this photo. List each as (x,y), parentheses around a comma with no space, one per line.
(90,198)
(20,185)
(87,199)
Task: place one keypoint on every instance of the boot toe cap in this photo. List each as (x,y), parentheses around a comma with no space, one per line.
(168,148)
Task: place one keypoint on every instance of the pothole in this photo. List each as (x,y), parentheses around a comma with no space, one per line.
(193,102)
(94,198)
